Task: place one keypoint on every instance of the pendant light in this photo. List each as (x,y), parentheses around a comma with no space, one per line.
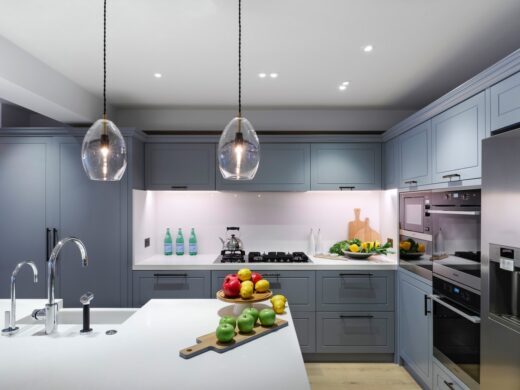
(239,148)
(103,152)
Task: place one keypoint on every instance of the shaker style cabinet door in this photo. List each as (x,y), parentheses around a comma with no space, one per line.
(415,161)
(180,166)
(457,140)
(348,166)
(390,164)
(283,167)
(505,103)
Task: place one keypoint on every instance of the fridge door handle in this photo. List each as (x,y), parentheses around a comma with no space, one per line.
(440,301)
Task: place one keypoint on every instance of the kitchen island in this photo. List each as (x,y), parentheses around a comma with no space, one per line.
(144,353)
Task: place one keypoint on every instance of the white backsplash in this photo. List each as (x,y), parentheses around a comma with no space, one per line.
(267,220)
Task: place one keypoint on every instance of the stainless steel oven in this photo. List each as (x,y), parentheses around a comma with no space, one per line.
(455,218)
(456,329)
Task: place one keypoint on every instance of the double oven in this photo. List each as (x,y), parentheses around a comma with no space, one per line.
(447,224)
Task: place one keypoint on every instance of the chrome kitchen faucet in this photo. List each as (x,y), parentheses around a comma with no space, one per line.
(50,312)
(12,328)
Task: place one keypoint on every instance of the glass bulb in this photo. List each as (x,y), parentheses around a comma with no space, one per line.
(103,152)
(239,150)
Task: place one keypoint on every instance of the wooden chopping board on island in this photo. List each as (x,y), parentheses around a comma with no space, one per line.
(361,229)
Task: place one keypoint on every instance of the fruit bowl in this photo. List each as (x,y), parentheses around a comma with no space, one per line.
(257,297)
(358,255)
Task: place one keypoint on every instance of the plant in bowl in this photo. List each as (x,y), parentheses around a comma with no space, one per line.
(360,250)
(410,249)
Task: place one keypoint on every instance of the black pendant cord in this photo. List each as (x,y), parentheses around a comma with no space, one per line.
(105,59)
(239,58)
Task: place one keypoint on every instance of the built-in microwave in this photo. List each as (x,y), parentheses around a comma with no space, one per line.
(414,213)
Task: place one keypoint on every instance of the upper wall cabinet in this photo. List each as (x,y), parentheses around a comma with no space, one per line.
(415,162)
(456,140)
(283,167)
(353,166)
(505,102)
(390,164)
(180,166)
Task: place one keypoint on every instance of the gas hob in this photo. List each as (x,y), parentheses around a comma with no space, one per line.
(239,256)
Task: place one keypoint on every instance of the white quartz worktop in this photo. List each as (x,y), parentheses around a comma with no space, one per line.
(207,262)
(144,354)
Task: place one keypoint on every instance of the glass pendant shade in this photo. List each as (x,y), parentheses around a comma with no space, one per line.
(103,152)
(239,150)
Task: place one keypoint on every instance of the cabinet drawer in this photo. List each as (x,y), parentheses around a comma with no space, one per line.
(298,286)
(305,325)
(443,380)
(355,332)
(170,285)
(355,290)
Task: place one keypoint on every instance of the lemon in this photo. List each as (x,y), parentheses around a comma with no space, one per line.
(248,283)
(353,248)
(364,246)
(279,297)
(421,247)
(262,285)
(246,291)
(406,245)
(279,306)
(244,274)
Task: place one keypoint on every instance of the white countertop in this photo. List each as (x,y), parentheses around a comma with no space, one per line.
(207,262)
(144,354)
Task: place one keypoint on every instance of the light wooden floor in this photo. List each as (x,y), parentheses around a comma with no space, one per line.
(359,376)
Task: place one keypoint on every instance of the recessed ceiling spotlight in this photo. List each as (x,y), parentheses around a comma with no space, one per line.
(273,75)
(157,75)
(368,48)
(342,87)
(345,83)
(262,75)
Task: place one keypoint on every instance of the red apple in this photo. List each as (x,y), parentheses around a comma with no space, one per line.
(255,277)
(231,286)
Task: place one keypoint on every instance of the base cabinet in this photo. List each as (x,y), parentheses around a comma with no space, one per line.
(305,325)
(170,285)
(415,326)
(443,379)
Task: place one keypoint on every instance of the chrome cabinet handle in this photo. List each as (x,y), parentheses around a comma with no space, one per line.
(451,176)
(410,182)
(438,299)
(449,385)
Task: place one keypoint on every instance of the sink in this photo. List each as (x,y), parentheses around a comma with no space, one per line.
(98,316)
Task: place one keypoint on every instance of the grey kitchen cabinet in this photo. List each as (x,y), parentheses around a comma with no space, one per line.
(505,103)
(457,136)
(305,325)
(298,286)
(24,194)
(352,166)
(283,167)
(390,164)
(443,379)
(170,285)
(415,326)
(415,159)
(180,166)
(355,290)
(93,211)
(355,332)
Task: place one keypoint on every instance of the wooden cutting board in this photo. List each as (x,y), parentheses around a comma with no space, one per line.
(361,229)
(209,341)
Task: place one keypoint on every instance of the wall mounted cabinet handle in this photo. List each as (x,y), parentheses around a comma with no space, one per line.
(346,188)
(449,385)
(158,276)
(272,275)
(179,187)
(452,176)
(426,310)
(356,316)
(410,182)
(368,275)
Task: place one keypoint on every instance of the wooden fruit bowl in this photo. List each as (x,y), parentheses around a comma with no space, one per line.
(257,297)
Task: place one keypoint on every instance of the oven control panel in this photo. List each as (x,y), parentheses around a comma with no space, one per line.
(457,293)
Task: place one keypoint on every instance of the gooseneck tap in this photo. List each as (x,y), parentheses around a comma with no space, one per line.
(51,308)
(12,328)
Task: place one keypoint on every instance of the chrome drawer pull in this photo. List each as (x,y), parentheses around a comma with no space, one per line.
(451,176)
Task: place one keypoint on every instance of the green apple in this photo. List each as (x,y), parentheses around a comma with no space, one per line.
(251,311)
(228,320)
(225,333)
(267,317)
(245,323)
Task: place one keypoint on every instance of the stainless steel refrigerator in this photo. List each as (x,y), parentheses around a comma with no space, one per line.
(500,328)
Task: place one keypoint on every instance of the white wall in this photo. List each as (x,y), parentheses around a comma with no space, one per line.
(267,221)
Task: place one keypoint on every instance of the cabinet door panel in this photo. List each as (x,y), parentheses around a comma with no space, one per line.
(457,138)
(390,164)
(356,165)
(283,167)
(23,179)
(415,156)
(505,103)
(180,166)
(305,326)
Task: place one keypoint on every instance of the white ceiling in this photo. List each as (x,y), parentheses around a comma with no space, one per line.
(423,48)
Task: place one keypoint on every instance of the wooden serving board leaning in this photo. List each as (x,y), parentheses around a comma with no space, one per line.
(209,341)
(361,229)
